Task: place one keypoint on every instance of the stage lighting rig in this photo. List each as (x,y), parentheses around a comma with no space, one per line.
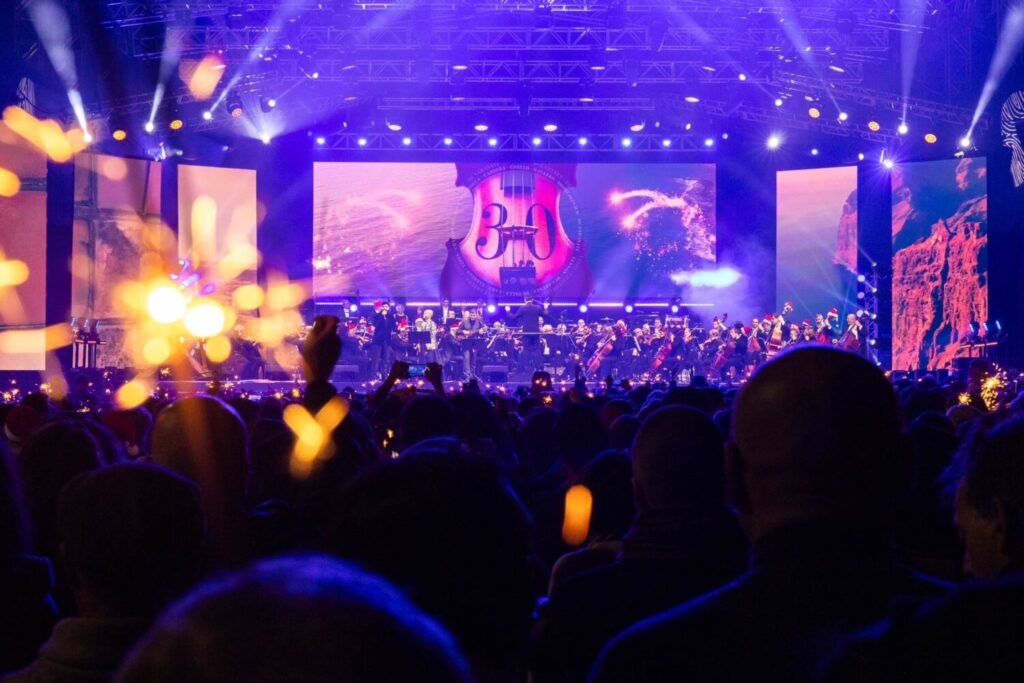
(235,109)
(267,104)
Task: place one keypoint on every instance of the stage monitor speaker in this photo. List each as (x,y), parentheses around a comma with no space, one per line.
(495,373)
(345,373)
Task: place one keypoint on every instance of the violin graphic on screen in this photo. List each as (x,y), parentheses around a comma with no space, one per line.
(517,242)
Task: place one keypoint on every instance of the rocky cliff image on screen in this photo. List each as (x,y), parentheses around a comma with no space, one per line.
(940,260)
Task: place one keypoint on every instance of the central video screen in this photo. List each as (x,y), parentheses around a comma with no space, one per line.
(473,231)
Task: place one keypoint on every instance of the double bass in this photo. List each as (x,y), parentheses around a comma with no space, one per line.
(516,242)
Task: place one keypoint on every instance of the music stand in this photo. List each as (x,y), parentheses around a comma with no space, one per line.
(419,337)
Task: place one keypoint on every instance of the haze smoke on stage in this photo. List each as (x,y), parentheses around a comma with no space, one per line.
(718,278)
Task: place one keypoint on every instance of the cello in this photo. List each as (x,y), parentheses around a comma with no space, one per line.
(517,243)
(604,348)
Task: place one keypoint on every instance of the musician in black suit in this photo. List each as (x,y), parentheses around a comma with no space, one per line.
(468,333)
(528,316)
(380,345)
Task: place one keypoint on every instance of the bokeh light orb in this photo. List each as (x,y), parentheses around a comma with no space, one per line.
(166,304)
(205,319)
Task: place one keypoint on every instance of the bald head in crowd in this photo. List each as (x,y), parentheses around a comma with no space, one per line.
(815,436)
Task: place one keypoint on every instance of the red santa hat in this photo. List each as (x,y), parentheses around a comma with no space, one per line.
(768,317)
(123,427)
(378,304)
(747,330)
(20,424)
(807,323)
(833,312)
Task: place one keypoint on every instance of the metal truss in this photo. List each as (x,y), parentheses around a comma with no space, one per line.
(621,54)
(482,142)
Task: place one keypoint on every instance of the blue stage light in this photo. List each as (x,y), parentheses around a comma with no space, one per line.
(582,141)
(491,308)
(709,142)
(493,142)
(406,141)
(627,142)
(361,142)
(537,142)
(448,142)
(584,308)
(321,140)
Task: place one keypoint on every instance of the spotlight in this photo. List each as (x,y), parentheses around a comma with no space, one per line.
(582,142)
(814,113)
(491,308)
(688,126)
(87,137)
(709,142)
(265,138)
(394,126)
(361,142)
(407,141)
(725,136)
(902,129)
(874,126)
(492,142)
(743,77)
(860,157)
(207,115)
(843,116)
(814,152)
(888,163)
(774,141)
(691,99)
(176,124)
(778,101)
(861,278)
(267,104)
(321,140)
(508,309)
(860,295)
(629,308)
(627,142)
(480,127)
(119,135)
(235,109)
(931,138)
(584,308)
(674,308)
(448,142)
(965,141)
(353,307)
(537,142)
(637,126)
(149,127)
(666,142)
(550,127)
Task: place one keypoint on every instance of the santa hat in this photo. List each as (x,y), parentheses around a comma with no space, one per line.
(123,427)
(788,304)
(20,424)
(378,304)
(747,330)
(768,318)
(833,312)
(807,323)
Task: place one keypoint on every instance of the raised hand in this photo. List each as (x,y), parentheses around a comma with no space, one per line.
(321,349)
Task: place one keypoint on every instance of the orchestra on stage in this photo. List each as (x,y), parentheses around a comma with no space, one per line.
(644,345)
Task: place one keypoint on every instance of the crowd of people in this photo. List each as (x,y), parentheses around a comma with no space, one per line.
(821,523)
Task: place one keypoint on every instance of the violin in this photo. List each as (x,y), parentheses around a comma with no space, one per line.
(516,242)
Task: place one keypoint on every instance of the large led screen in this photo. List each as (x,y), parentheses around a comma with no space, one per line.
(217,218)
(23,250)
(940,260)
(486,230)
(816,253)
